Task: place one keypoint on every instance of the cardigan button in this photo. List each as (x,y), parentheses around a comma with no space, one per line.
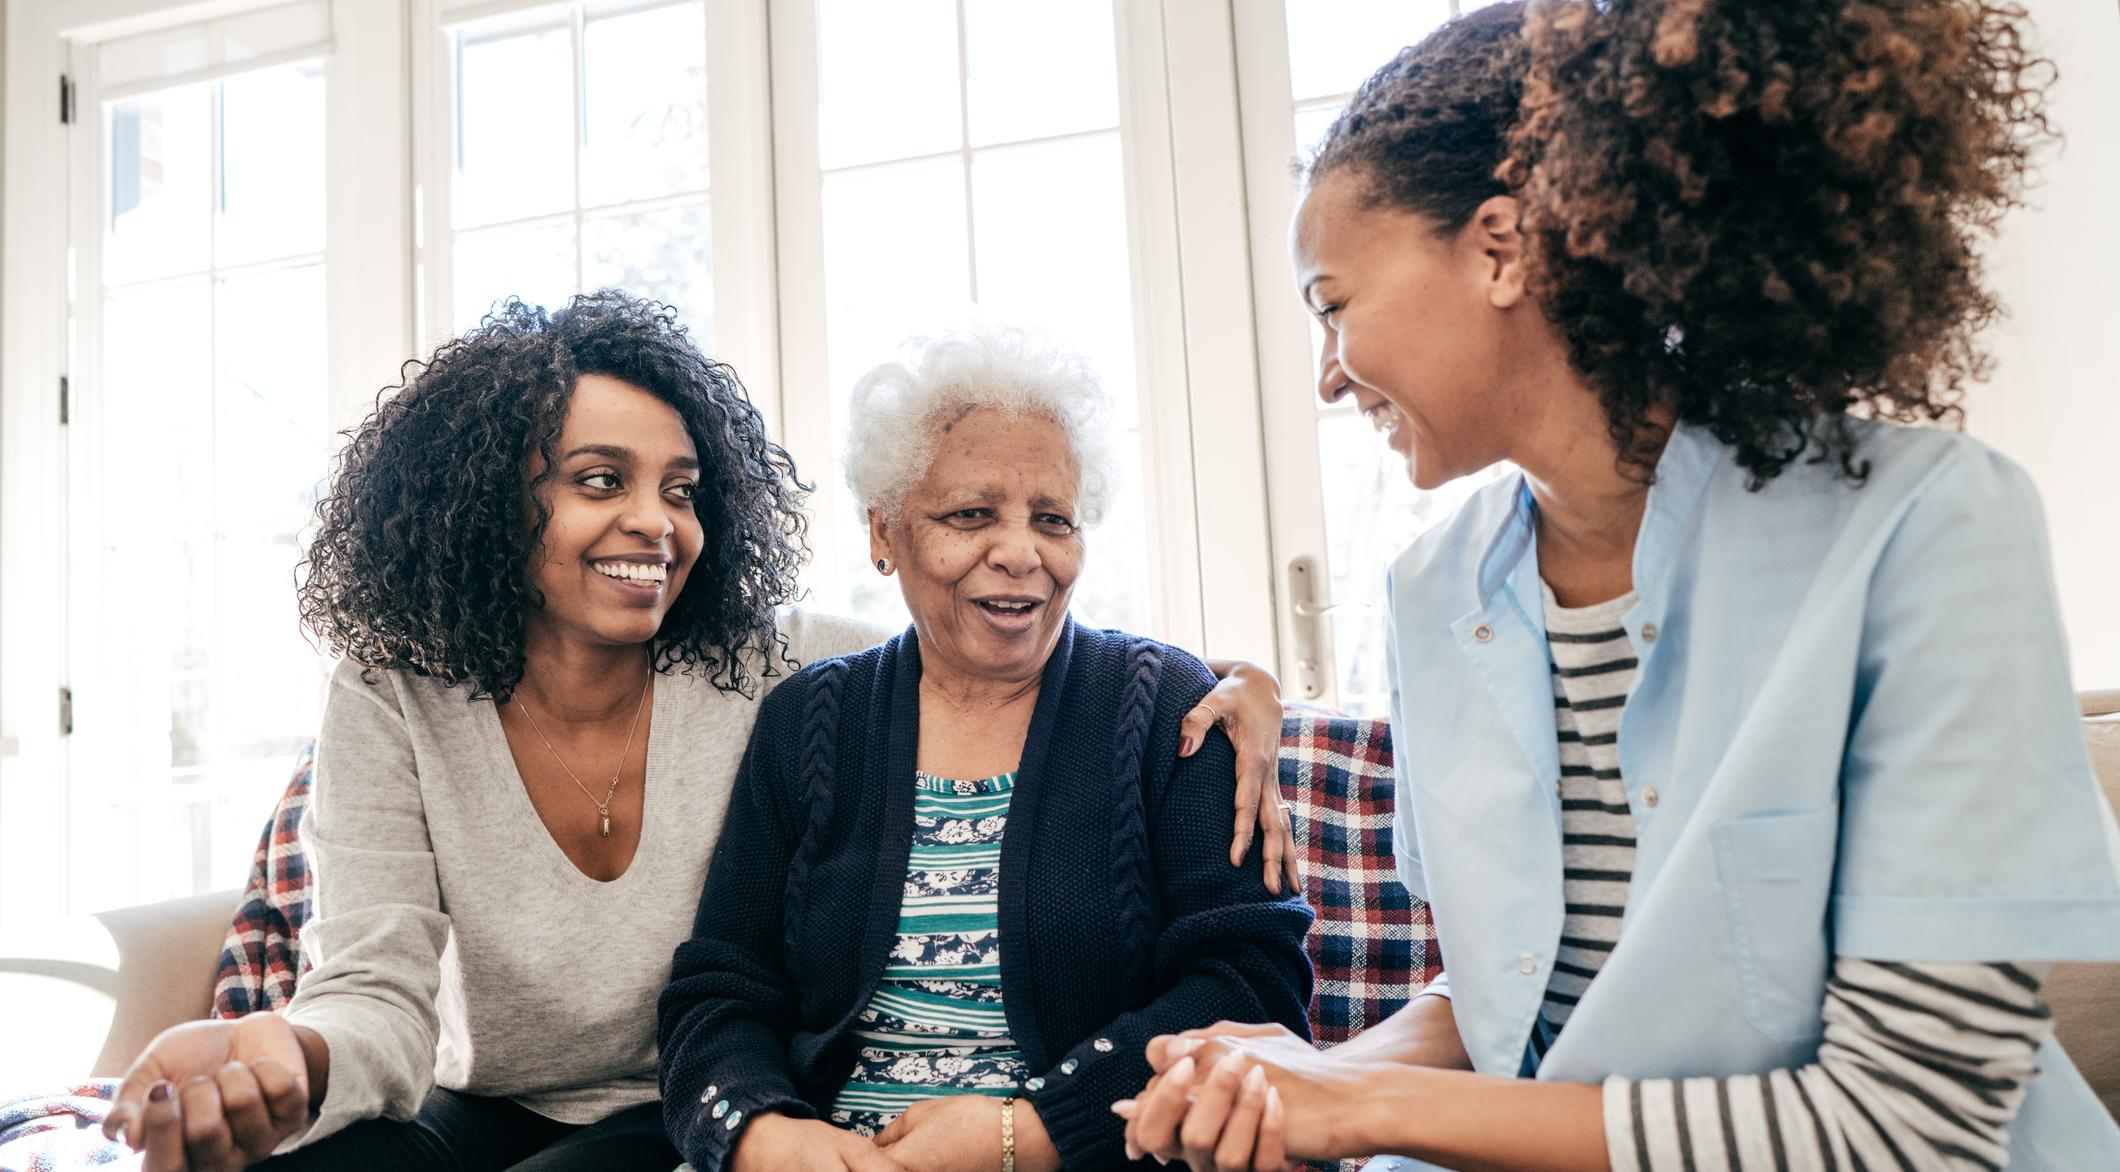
(712,1090)
(1648,632)
(1068,1067)
(721,1109)
(1483,633)
(735,1117)
(1034,1085)
(1527,964)
(1649,797)
(1102,1045)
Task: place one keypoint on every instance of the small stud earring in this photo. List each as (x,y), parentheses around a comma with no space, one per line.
(883,565)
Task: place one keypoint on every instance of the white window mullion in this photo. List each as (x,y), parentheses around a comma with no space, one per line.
(368,241)
(805,379)
(1145,132)
(742,213)
(434,116)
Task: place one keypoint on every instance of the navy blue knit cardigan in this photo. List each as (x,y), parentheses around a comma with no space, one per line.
(1120,915)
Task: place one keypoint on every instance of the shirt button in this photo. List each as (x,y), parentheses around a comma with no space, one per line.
(1527,964)
(1648,632)
(1649,798)
(1483,633)
(1556,789)
(1068,1067)
(1102,1045)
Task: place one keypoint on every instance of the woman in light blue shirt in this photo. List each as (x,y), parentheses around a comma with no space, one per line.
(1737,751)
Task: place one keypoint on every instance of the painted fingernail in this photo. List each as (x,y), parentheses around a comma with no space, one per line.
(1184,1046)
(1124,1108)
(1230,1062)
(1254,1079)
(158,1093)
(1183,1070)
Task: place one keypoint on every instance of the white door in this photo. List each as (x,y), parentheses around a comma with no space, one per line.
(1340,503)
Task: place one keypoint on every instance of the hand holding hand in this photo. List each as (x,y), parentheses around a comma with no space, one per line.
(1240,1096)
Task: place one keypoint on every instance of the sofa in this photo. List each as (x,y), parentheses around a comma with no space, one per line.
(120,977)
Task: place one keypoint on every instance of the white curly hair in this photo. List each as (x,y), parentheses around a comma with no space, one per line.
(895,419)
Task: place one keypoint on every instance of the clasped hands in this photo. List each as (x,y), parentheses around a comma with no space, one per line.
(1239,1098)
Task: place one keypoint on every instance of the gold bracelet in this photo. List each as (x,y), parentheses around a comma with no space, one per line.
(1008,1134)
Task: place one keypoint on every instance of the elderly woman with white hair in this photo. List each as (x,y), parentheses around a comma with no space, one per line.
(966,875)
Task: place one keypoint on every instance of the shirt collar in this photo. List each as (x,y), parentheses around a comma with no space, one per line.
(1689,460)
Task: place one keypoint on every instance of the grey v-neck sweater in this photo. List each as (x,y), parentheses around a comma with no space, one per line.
(455,944)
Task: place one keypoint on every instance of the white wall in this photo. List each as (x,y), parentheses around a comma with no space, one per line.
(2053,403)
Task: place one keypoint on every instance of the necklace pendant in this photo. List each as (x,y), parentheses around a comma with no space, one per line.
(607,822)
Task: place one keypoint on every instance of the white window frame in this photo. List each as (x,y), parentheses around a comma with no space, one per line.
(739,179)
(48,322)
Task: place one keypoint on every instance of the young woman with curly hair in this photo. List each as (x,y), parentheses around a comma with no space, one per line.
(1738,758)
(555,562)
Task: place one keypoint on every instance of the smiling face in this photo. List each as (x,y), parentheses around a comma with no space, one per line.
(623,532)
(986,545)
(1426,330)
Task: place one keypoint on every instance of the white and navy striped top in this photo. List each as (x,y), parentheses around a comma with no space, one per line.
(1922,1065)
(936,1025)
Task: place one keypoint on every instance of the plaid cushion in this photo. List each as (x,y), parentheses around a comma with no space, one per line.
(1373,944)
(261,955)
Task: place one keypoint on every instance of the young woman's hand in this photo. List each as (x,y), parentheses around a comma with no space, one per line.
(209,1096)
(1246,702)
(962,1133)
(1237,1096)
(777,1143)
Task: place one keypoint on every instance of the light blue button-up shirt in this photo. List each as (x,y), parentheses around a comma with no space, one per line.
(1854,705)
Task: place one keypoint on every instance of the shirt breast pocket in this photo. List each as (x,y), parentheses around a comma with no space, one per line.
(1777,885)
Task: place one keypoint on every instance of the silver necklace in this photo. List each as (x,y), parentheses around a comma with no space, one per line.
(603,808)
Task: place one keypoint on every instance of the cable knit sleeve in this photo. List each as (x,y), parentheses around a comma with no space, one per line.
(724,1020)
(1217,945)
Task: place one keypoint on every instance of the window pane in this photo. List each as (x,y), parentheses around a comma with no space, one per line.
(887,80)
(1039,69)
(644,102)
(1051,236)
(514,118)
(661,254)
(154,563)
(272,165)
(895,263)
(1333,47)
(160,185)
(535,264)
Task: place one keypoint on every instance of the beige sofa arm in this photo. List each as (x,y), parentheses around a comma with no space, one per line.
(105,985)
(168,956)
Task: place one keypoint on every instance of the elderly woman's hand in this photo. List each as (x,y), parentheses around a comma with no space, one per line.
(1246,702)
(962,1133)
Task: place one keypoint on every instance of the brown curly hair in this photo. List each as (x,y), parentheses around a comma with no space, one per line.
(419,554)
(1761,214)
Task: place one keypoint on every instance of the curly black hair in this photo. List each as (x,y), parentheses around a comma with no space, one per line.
(420,559)
(1764,215)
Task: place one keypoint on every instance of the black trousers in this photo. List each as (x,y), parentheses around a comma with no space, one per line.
(466,1133)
